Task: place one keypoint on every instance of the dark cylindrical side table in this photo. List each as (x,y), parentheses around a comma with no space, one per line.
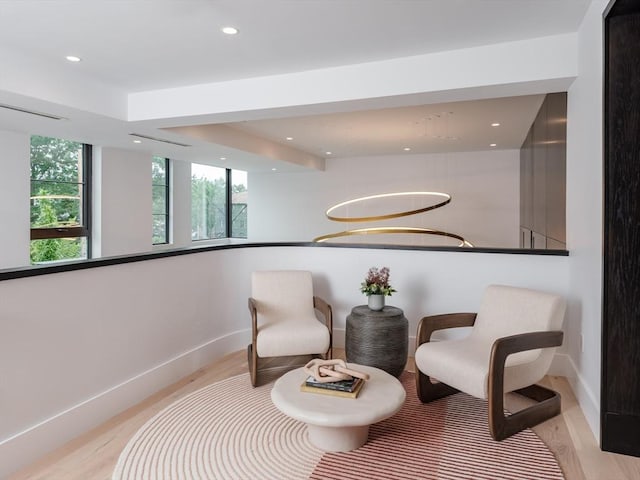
(378,338)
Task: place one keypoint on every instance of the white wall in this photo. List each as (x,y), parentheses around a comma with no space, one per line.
(584,213)
(14,185)
(122,202)
(484,187)
(138,327)
(180,203)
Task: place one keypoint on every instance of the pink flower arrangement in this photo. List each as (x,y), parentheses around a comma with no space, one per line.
(377,282)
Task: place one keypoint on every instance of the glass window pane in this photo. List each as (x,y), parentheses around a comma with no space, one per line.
(159,199)
(55,204)
(208,202)
(159,229)
(239,203)
(57,197)
(159,171)
(56,249)
(56,159)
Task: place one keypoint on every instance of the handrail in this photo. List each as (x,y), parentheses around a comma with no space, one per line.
(58,267)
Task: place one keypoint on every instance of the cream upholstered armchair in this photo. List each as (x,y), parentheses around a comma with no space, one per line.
(283,318)
(509,349)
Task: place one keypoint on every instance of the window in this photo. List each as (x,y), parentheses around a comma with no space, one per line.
(213,191)
(60,199)
(208,202)
(160,192)
(239,203)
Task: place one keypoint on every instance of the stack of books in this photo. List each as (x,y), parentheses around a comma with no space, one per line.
(343,388)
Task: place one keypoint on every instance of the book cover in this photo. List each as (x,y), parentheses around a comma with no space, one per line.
(336,393)
(341,385)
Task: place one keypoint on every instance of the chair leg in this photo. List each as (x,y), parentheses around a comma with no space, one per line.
(428,392)
(252,360)
(548,406)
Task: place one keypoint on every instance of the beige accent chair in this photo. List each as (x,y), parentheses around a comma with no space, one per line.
(509,349)
(283,318)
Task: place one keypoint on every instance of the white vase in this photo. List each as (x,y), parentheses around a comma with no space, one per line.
(376,302)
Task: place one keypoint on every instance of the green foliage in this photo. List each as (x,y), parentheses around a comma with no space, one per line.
(159,171)
(159,183)
(55,249)
(208,208)
(56,170)
(239,211)
(52,249)
(56,183)
(239,220)
(55,159)
(238,188)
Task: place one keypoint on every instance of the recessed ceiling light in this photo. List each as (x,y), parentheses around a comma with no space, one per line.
(229,30)
(274,169)
(73,58)
(327,153)
(496,124)
(289,138)
(223,158)
(493,144)
(137,141)
(406,149)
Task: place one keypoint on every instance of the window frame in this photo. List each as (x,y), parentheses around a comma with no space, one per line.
(229,206)
(84,230)
(227,215)
(230,214)
(167,204)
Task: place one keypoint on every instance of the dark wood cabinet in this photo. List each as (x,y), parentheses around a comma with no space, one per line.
(620,386)
(526,185)
(543,177)
(556,168)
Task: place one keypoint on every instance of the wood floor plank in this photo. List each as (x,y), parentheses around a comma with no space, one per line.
(93,455)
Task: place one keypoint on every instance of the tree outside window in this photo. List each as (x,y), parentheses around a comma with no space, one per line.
(208,202)
(239,204)
(59,199)
(218,202)
(160,192)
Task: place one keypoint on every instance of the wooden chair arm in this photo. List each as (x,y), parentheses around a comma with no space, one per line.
(254,320)
(431,323)
(499,426)
(505,346)
(325,309)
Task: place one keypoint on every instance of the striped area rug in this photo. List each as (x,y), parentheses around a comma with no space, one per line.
(231,431)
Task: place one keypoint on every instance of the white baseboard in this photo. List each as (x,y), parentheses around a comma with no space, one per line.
(564,366)
(27,446)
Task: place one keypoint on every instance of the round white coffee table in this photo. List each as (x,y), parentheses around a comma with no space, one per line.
(337,424)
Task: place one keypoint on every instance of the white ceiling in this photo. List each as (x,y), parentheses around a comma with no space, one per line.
(440,128)
(139,45)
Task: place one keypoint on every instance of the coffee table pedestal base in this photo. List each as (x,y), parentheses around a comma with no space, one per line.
(338,439)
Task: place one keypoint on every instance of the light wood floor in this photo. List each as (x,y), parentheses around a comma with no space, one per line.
(94,454)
